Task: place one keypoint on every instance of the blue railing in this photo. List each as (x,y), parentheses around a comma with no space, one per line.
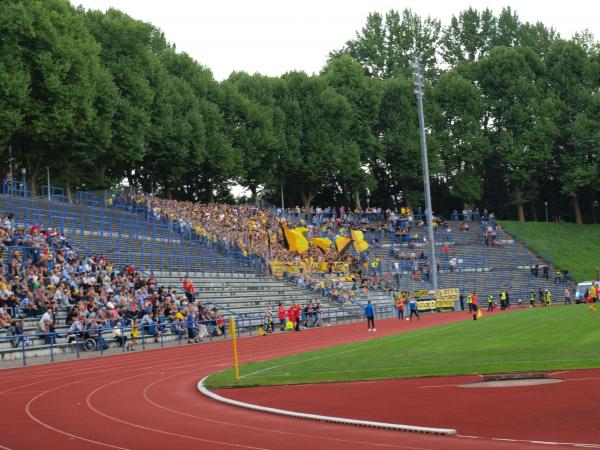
(16,188)
(103,339)
(104,233)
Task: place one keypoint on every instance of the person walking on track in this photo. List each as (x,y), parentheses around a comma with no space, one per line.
(413,309)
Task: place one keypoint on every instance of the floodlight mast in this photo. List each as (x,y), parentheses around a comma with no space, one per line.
(416,63)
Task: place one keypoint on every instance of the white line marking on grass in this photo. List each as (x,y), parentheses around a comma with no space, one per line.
(277,366)
(357,346)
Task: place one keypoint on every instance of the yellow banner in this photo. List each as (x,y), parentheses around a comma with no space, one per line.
(426,305)
(420,294)
(448,295)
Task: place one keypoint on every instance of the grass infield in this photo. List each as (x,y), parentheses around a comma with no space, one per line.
(521,340)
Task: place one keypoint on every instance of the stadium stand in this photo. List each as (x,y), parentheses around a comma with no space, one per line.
(141,248)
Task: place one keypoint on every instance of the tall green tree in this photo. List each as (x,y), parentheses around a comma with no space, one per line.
(385,46)
(519,120)
(400,172)
(463,144)
(469,36)
(364,96)
(256,130)
(56,58)
(127,53)
(575,146)
(212,167)
(317,125)
(16,26)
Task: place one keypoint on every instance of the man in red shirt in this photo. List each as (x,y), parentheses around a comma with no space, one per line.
(190,291)
(281,317)
(291,312)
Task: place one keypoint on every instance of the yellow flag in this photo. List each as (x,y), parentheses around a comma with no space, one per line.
(322,243)
(295,240)
(342,243)
(360,245)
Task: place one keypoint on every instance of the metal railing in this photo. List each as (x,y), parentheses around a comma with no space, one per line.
(117,339)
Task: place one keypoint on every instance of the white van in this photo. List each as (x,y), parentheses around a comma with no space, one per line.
(581,288)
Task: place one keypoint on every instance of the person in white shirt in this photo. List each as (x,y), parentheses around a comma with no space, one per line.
(47,326)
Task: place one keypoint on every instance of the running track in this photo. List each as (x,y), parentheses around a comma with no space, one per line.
(149,400)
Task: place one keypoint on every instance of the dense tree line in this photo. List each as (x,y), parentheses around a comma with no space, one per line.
(513,114)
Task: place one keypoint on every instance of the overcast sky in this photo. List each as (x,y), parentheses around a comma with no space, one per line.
(275,36)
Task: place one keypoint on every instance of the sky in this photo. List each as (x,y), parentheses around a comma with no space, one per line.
(272,37)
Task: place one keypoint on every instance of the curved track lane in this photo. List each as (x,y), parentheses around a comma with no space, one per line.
(149,400)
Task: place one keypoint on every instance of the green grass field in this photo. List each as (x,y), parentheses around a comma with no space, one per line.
(569,245)
(526,339)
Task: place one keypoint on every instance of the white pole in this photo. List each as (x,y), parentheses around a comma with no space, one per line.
(429,210)
(48,180)
(11,162)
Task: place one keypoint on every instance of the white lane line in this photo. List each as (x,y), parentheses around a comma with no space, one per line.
(581,379)
(268,430)
(438,386)
(331,419)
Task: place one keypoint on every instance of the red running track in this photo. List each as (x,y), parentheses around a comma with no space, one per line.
(149,400)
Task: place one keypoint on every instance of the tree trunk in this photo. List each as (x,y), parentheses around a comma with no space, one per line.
(306,200)
(534,212)
(254,197)
(32,181)
(100,170)
(69,191)
(357,204)
(577,210)
(521,212)
(519,202)
(33,170)
(593,207)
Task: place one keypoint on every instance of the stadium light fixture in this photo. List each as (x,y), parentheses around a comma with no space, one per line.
(419,92)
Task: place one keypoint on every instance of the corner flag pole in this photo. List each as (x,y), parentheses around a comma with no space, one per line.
(235,355)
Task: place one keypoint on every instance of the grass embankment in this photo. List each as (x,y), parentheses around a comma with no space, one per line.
(569,245)
(527,339)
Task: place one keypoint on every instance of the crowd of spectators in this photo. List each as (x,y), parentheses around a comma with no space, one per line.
(44,273)
(257,231)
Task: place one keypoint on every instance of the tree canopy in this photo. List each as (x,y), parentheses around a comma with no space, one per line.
(511,107)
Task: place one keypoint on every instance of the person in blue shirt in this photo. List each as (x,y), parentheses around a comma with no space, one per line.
(370,313)
(413,309)
(192,328)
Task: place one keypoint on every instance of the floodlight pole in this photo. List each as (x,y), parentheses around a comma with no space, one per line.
(428,210)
